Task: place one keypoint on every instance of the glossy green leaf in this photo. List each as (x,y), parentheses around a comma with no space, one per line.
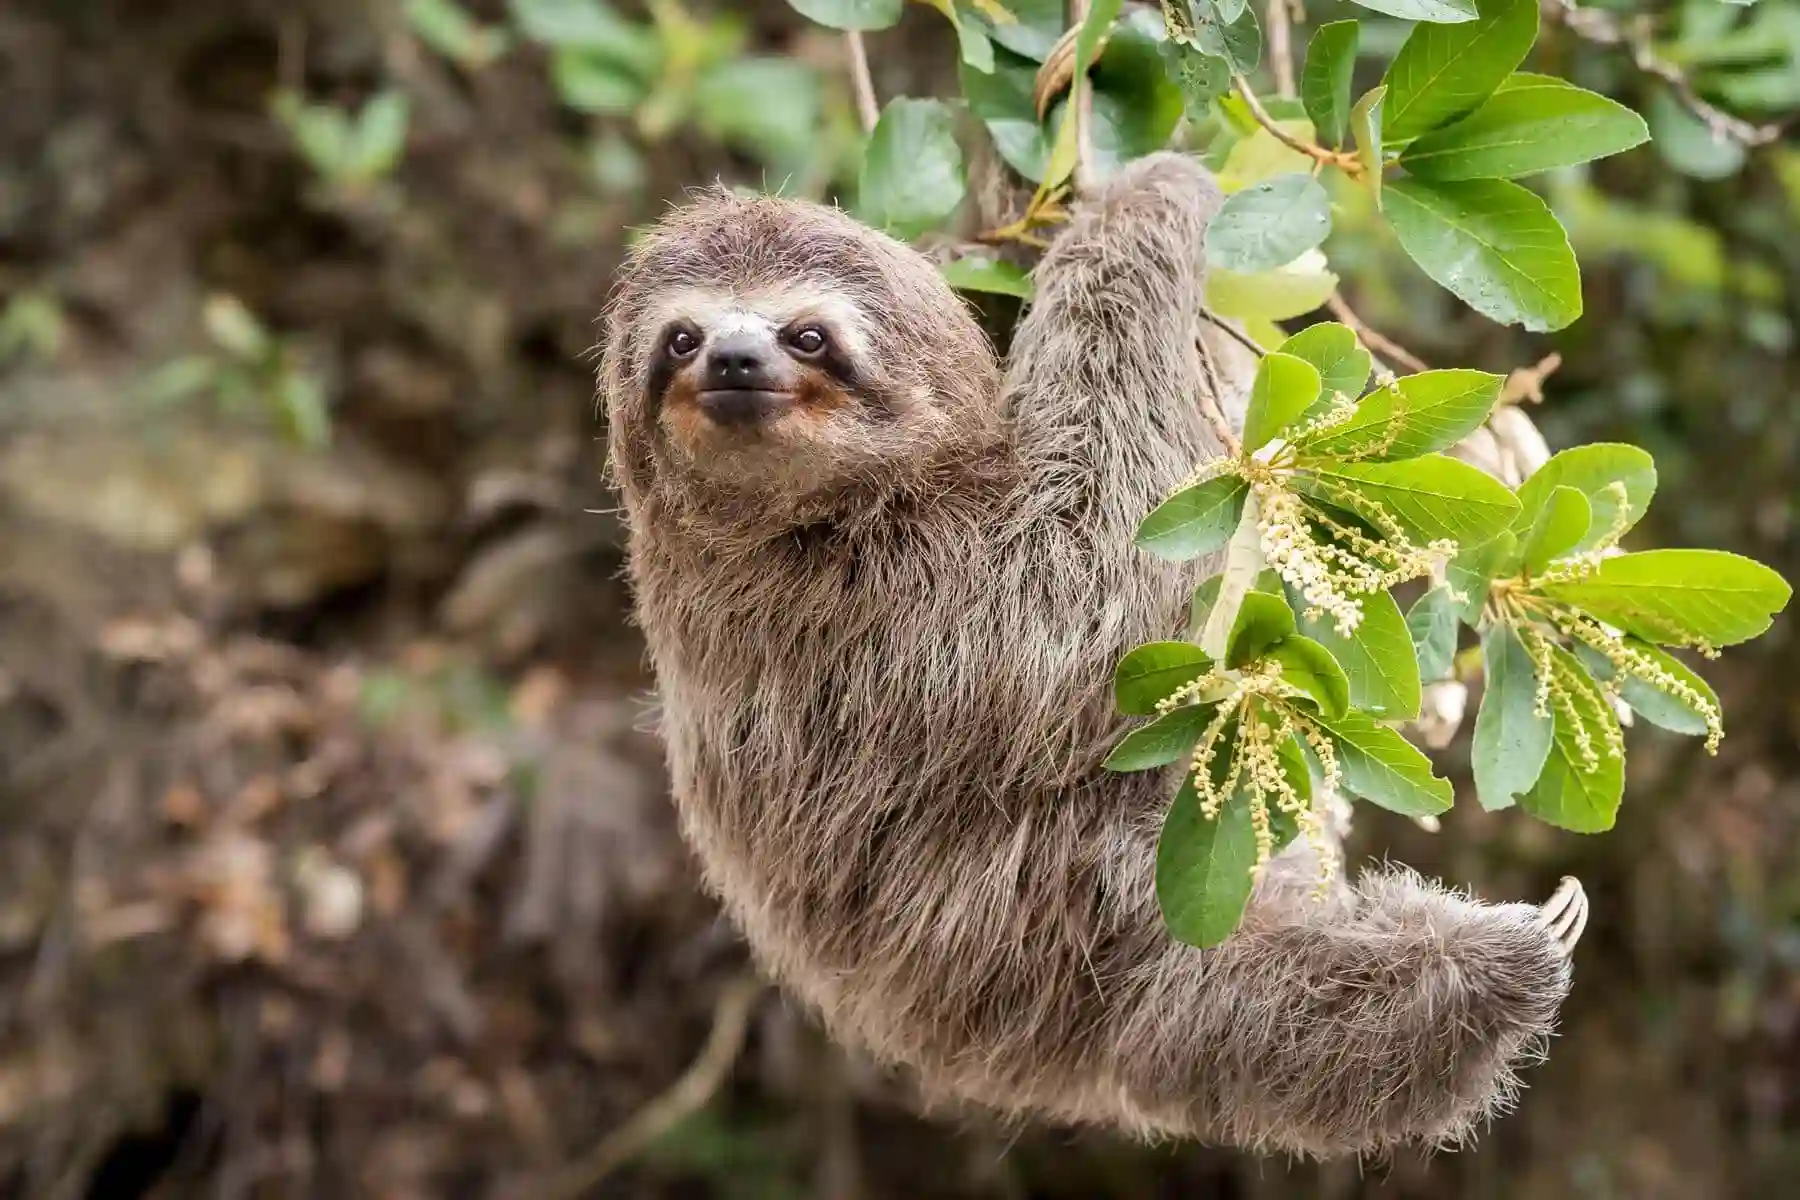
(1444,71)
(1385,769)
(1334,352)
(1269,224)
(1308,665)
(1532,123)
(912,175)
(1284,388)
(1679,597)
(1473,571)
(1262,620)
(1444,12)
(1162,741)
(1494,245)
(979,272)
(1650,702)
(1414,415)
(1325,80)
(1151,673)
(1590,470)
(850,14)
(1432,496)
(1560,525)
(1511,739)
(1203,868)
(1289,291)
(1194,521)
(1377,658)
(1432,623)
(1569,793)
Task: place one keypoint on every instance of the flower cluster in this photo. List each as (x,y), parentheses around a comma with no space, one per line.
(1561,683)
(1333,572)
(1630,662)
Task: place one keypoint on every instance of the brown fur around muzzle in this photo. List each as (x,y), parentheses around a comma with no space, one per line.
(886,704)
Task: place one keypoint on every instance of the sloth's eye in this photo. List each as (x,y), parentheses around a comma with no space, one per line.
(809,340)
(683,342)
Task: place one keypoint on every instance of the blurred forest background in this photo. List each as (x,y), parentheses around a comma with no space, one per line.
(332,861)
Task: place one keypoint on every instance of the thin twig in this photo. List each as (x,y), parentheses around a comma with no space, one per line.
(1527,383)
(1081,108)
(1343,160)
(1209,399)
(686,1096)
(1281,53)
(866,107)
(1236,333)
(1635,35)
(1373,339)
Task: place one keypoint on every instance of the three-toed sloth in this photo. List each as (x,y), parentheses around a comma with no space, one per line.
(884,583)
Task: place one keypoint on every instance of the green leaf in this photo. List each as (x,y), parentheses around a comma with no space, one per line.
(768,106)
(594,83)
(1385,769)
(1236,39)
(1533,123)
(1201,78)
(1277,295)
(1569,794)
(1195,520)
(1343,365)
(1262,620)
(1325,81)
(1679,597)
(1377,659)
(1560,525)
(1589,470)
(1308,665)
(447,27)
(1444,71)
(1034,30)
(1686,143)
(1285,387)
(1204,868)
(912,177)
(1200,607)
(1269,224)
(980,272)
(1366,128)
(1415,415)
(1493,244)
(1153,672)
(1432,623)
(972,38)
(1473,571)
(850,14)
(1511,739)
(1136,105)
(1648,701)
(1002,99)
(1432,496)
(1162,741)
(380,136)
(1444,12)
(584,23)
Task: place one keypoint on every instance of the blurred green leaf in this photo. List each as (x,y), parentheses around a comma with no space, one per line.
(447,27)
(768,106)
(1687,144)
(1288,291)
(912,176)
(595,83)
(850,14)
(1365,129)
(988,273)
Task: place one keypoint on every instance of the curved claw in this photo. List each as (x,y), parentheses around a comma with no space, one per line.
(1566,913)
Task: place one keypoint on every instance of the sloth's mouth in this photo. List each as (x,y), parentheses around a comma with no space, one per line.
(743,406)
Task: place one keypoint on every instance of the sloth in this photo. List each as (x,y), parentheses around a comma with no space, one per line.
(884,582)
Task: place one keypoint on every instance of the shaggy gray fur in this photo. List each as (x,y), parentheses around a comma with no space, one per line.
(886,700)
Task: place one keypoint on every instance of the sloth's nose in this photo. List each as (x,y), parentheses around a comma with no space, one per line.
(739,382)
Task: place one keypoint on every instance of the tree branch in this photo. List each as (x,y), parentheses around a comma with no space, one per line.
(1081,108)
(866,107)
(1634,34)
(1343,160)
(1379,343)
(1281,52)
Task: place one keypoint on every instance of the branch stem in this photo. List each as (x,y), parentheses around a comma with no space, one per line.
(1373,339)
(866,107)
(1081,109)
(1343,160)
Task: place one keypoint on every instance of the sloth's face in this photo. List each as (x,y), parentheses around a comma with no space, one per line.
(771,383)
(769,358)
